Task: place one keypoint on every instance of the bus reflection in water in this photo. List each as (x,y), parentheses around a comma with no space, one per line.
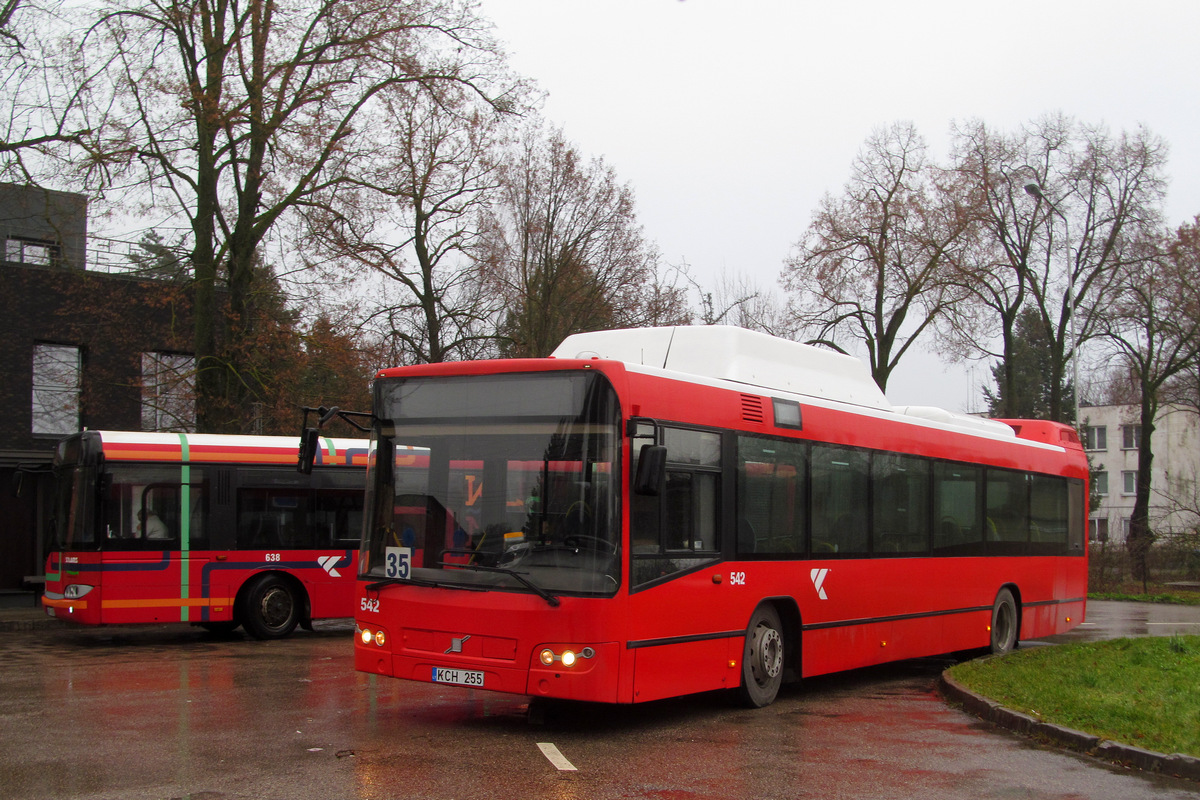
(656,512)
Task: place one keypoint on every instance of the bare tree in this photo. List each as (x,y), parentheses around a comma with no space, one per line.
(46,124)
(994,267)
(873,265)
(410,216)
(736,299)
(563,251)
(1060,205)
(238,113)
(1153,327)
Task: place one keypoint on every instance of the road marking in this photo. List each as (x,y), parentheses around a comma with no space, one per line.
(556,758)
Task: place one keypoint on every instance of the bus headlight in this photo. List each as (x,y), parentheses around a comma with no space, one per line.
(367,636)
(76,591)
(567,658)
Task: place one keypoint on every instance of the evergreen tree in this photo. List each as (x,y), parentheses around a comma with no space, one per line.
(1032,363)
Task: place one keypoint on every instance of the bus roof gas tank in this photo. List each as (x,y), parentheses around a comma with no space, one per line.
(735,354)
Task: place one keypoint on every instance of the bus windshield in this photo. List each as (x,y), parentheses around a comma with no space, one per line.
(505,482)
(74,496)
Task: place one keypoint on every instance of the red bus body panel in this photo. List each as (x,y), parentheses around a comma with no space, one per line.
(156,586)
(145,586)
(687,635)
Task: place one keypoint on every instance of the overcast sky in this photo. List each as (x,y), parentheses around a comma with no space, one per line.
(731,119)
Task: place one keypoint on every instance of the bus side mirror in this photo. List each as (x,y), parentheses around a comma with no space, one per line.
(652,461)
(309,442)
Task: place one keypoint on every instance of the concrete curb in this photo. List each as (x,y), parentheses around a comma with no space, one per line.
(1177,764)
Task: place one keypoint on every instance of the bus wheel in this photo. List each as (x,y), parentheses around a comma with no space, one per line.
(762,658)
(271,609)
(1004,623)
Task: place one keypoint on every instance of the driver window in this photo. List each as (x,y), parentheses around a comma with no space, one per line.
(679,529)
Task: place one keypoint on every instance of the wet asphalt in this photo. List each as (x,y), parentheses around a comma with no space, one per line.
(172,712)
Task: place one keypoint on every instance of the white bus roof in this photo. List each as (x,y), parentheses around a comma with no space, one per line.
(728,353)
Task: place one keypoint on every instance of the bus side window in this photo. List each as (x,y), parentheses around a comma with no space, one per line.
(957,509)
(1050,515)
(1007,529)
(772,497)
(840,490)
(900,505)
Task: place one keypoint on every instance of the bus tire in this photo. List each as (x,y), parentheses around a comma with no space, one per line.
(271,609)
(1004,628)
(762,658)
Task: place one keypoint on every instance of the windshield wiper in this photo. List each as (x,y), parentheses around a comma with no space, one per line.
(375,587)
(533,587)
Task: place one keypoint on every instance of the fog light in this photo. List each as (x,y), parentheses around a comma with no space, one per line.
(547,656)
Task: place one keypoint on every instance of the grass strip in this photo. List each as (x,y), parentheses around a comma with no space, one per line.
(1172,598)
(1144,692)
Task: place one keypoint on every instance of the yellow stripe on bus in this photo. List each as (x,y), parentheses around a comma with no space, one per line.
(49,602)
(173,602)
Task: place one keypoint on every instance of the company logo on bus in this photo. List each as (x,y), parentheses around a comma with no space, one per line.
(328,563)
(818,579)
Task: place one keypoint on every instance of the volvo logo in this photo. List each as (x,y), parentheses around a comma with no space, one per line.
(456,644)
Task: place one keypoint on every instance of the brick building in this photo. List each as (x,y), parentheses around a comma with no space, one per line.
(81,349)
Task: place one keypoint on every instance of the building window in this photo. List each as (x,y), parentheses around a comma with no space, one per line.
(38,252)
(1129,481)
(1095,437)
(1130,436)
(1098,529)
(1101,483)
(56,384)
(168,392)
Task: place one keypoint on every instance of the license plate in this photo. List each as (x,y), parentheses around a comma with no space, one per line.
(462,677)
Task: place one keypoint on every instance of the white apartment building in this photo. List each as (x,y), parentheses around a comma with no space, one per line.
(1110,436)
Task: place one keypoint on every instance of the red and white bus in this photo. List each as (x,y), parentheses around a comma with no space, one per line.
(214,530)
(651,513)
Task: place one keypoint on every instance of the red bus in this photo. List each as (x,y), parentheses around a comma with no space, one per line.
(651,513)
(218,531)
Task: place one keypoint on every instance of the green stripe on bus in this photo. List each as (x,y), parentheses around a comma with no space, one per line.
(185,525)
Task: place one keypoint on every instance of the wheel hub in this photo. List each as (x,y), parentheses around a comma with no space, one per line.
(768,662)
